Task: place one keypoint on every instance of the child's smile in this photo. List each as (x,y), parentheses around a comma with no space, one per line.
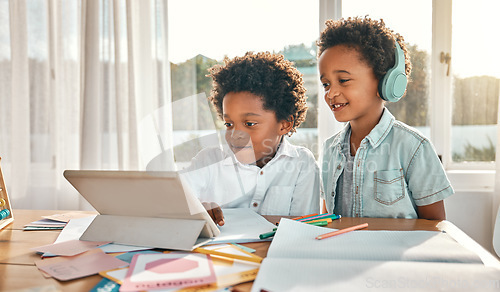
(338,106)
(351,88)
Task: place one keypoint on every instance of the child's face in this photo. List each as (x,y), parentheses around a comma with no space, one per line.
(351,88)
(253,133)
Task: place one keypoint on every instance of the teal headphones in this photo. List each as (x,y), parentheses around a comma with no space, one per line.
(392,87)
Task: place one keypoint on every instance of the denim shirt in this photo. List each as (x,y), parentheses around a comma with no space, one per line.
(395,170)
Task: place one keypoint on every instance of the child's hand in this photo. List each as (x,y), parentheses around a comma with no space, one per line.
(215,212)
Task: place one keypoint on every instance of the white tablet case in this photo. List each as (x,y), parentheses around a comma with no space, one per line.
(153,209)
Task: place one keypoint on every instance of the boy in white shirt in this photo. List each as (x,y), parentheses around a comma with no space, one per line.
(261,99)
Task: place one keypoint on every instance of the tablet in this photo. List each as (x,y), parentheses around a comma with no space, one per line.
(158,194)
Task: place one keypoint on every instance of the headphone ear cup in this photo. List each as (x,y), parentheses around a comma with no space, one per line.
(393,86)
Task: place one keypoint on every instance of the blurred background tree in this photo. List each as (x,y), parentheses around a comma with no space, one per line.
(413,108)
(475,98)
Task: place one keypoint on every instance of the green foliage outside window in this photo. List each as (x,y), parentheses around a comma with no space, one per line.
(475,98)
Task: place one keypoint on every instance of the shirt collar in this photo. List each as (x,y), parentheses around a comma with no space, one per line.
(382,129)
(377,134)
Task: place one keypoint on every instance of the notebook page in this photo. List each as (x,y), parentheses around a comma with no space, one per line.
(281,274)
(242,225)
(297,240)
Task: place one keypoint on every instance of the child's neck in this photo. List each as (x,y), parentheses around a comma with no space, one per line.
(360,128)
(264,160)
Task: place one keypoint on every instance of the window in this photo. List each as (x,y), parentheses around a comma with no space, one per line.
(462,129)
(413,108)
(457,109)
(204,36)
(475,72)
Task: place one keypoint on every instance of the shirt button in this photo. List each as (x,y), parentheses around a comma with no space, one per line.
(261,172)
(255,204)
(339,167)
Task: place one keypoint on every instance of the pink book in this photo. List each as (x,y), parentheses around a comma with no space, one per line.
(168,270)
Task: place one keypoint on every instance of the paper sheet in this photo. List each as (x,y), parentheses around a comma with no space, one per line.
(277,274)
(168,270)
(86,264)
(228,271)
(242,225)
(297,240)
(46,223)
(65,217)
(370,260)
(70,247)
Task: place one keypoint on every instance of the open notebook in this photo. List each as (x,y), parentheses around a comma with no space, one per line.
(364,260)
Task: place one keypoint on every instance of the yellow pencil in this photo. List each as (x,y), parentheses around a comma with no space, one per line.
(318,220)
(254,259)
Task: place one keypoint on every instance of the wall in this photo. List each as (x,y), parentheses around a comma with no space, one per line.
(471,211)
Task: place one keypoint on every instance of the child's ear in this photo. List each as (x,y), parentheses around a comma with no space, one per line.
(286,126)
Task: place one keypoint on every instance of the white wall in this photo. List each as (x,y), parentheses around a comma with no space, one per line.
(471,207)
(471,211)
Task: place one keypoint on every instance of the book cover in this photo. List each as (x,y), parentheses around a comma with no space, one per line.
(168,271)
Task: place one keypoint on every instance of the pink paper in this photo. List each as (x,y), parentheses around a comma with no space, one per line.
(170,270)
(67,216)
(70,248)
(89,263)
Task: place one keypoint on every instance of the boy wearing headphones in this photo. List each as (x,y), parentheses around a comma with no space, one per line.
(376,166)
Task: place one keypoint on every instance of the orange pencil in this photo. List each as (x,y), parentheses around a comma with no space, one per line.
(341,231)
(301,217)
(305,216)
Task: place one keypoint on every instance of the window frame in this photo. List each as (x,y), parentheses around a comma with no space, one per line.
(463,175)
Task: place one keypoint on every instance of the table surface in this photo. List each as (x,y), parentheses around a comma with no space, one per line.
(18,271)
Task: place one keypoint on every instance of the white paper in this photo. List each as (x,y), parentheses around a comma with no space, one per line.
(366,260)
(242,225)
(295,239)
(277,274)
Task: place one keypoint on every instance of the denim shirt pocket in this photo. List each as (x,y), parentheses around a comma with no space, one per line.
(389,186)
(278,201)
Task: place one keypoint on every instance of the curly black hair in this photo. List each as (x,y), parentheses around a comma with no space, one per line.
(370,37)
(267,75)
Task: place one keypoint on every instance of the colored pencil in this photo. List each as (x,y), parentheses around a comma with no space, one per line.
(328,220)
(341,231)
(333,216)
(228,255)
(318,223)
(305,216)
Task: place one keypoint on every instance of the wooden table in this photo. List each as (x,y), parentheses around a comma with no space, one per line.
(18,271)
